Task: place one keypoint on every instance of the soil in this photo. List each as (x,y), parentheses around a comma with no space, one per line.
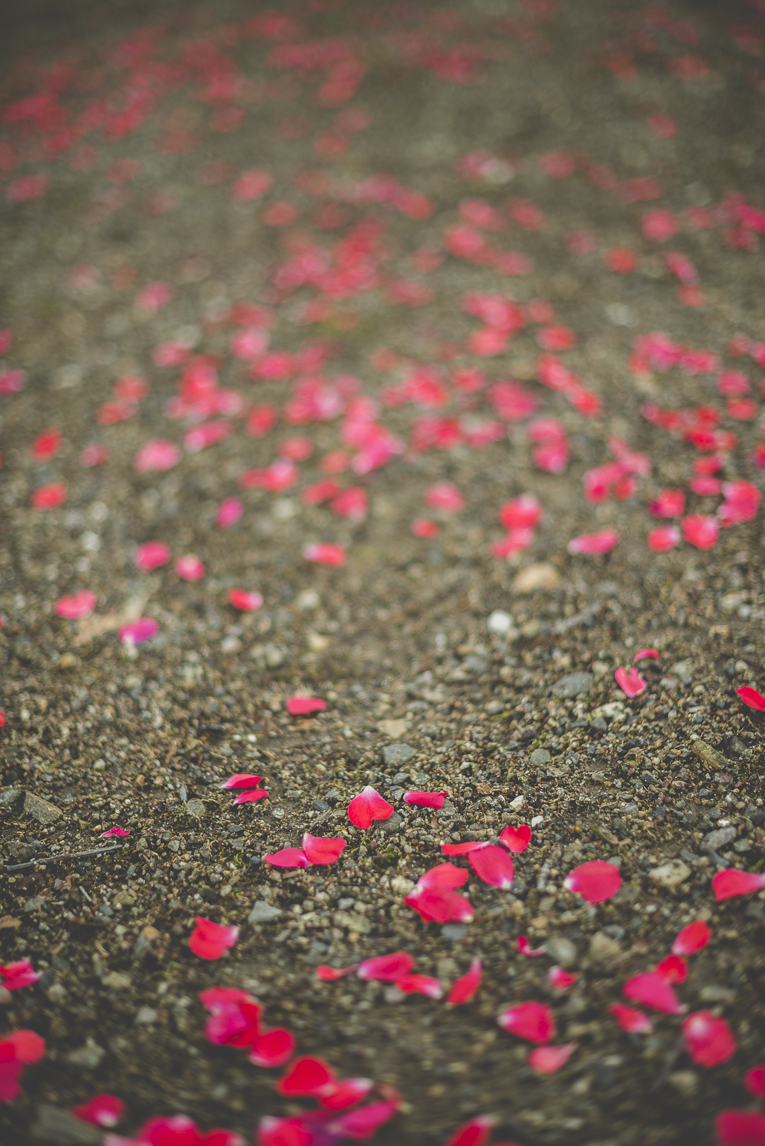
(398,641)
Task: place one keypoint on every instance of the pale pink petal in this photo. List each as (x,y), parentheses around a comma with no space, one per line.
(526,949)
(730,882)
(464,989)
(692,938)
(630,681)
(561,980)
(594,543)
(531,1021)
(305,705)
(547,1060)
(386,968)
(708,1038)
(368,806)
(420,985)
(136,632)
(645,654)
(244,600)
(77,606)
(322,850)
(630,1019)
(596,881)
(287,857)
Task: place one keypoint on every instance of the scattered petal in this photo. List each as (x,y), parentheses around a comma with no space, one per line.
(368,806)
(645,654)
(596,881)
(493,865)
(731,882)
(210,940)
(594,543)
(516,840)
(740,1128)
(561,980)
(526,949)
(531,1021)
(246,602)
(752,698)
(692,938)
(548,1060)
(321,850)
(464,989)
(630,1019)
(650,989)
(630,681)
(304,705)
(426,799)
(287,857)
(386,968)
(102,1110)
(119,832)
(306,1078)
(76,607)
(708,1038)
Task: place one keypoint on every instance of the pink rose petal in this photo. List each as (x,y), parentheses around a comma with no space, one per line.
(708,1038)
(77,606)
(630,681)
(210,940)
(368,806)
(136,632)
(493,865)
(596,881)
(322,850)
(426,799)
(464,989)
(650,989)
(630,1019)
(531,1021)
(304,705)
(752,698)
(547,1060)
(730,883)
(594,543)
(692,938)
(516,840)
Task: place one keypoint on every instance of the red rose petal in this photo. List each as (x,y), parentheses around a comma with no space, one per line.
(420,985)
(368,806)
(77,606)
(730,882)
(386,968)
(673,969)
(242,780)
(283,1132)
(596,881)
(651,990)
(630,1019)
(474,1133)
(464,989)
(516,840)
(531,1021)
(630,681)
(287,857)
(246,602)
(209,940)
(708,1038)
(251,796)
(754,1081)
(547,1060)
(493,865)
(304,705)
(527,950)
(306,1078)
(273,1048)
(692,938)
(426,799)
(740,1128)
(752,698)
(330,974)
(102,1110)
(322,850)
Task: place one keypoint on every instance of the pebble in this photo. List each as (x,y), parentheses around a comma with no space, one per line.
(117,981)
(709,755)
(670,874)
(718,839)
(392,824)
(196,808)
(562,950)
(54,1127)
(499,622)
(604,949)
(454,931)
(88,1056)
(10,796)
(539,756)
(541,575)
(263,912)
(393,728)
(573,684)
(398,753)
(40,809)
(145,1016)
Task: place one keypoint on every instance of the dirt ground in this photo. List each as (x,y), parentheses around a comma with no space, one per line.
(422,690)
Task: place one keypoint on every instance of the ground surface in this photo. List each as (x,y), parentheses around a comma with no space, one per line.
(146,118)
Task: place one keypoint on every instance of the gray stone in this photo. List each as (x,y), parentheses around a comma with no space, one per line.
(196,808)
(709,755)
(683,670)
(670,874)
(604,949)
(10,796)
(562,950)
(539,756)
(392,824)
(398,753)
(500,622)
(146,1016)
(54,1127)
(574,684)
(88,1056)
(263,912)
(718,839)
(117,981)
(716,993)
(40,809)
(454,931)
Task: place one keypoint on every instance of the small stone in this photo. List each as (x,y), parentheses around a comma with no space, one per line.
(88,1056)
(195,808)
(54,1127)
(394,754)
(742,846)
(683,670)
(562,950)
(716,993)
(10,796)
(99,766)
(263,912)
(604,949)
(146,1016)
(400,885)
(718,839)
(499,622)
(539,756)
(574,684)
(395,729)
(670,874)
(684,1081)
(40,809)
(454,930)
(541,575)
(392,824)
(709,755)
(352,921)
(117,981)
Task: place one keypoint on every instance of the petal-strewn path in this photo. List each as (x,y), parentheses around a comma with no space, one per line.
(382,418)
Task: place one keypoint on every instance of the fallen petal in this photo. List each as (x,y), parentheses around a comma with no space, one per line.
(561,980)
(321,850)
(596,881)
(730,882)
(547,1060)
(651,990)
(368,806)
(287,857)
(242,780)
(426,799)
(304,705)
(464,989)
(526,949)
(708,1038)
(630,681)
(516,840)
(273,1048)
(740,1128)
(493,865)
(532,1021)
(692,938)
(251,797)
(752,698)
(102,1110)
(306,1078)
(386,968)
(420,985)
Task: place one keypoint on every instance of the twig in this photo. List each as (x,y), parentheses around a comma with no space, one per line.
(63,856)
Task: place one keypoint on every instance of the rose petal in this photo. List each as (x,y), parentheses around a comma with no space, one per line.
(242,780)
(708,1038)
(209,940)
(630,681)
(493,865)
(596,881)
(516,840)
(740,1128)
(752,698)
(526,949)
(464,989)
(283,1132)
(102,1110)
(651,990)
(321,850)
(287,857)
(273,1048)
(532,1021)
(386,968)
(630,1019)
(426,799)
(420,985)
(474,1133)
(731,882)
(547,1060)
(329,974)
(368,806)
(304,705)
(692,938)
(306,1078)
(561,980)
(77,606)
